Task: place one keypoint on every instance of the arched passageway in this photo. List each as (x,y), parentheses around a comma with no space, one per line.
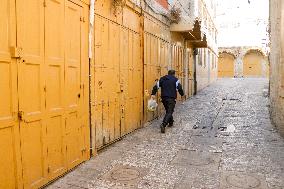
(255,64)
(226,65)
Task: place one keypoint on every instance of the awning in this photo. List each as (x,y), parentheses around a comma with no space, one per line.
(195,36)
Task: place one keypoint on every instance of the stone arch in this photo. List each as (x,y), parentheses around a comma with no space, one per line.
(226,64)
(255,64)
(257,51)
(228,52)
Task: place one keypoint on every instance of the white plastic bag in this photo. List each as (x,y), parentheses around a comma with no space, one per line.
(152,105)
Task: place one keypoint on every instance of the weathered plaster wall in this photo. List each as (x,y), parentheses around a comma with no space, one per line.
(276,63)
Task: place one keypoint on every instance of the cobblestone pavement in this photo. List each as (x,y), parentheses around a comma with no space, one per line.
(222,138)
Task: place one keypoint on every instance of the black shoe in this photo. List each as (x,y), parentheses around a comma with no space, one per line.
(163,128)
(171,124)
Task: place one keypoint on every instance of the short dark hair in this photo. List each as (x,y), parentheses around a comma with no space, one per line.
(171,72)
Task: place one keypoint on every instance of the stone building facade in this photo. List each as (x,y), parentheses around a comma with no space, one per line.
(277,63)
(199,29)
(138,43)
(245,61)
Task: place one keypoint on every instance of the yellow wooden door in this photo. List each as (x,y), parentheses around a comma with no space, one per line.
(163,66)
(131,81)
(186,70)
(31,73)
(131,71)
(118,75)
(107,82)
(181,76)
(226,65)
(178,64)
(10,167)
(85,83)
(72,90)
(43,102)
(152,72)
(112,128)
(190,72)
(252,65)
(149,70)
(54,79)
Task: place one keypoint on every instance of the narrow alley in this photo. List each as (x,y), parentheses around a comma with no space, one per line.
(222,138)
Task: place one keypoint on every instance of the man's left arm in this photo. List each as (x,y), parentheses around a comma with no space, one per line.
(179,88)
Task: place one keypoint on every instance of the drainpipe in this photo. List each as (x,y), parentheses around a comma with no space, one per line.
(170,57)
(91,34)
(186,68)
(195,53)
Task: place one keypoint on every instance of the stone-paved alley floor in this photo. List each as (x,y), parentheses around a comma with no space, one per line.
(222,138)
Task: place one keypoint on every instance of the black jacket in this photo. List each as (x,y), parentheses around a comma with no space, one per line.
(169,85)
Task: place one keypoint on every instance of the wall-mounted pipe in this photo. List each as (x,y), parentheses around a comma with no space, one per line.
(91,34)
(91,26)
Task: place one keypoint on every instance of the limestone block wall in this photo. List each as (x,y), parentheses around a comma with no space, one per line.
(276,63)
(206,68)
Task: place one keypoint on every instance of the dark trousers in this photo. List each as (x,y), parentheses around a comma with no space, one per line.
(169,104)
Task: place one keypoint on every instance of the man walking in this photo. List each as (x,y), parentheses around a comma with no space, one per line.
(169,85)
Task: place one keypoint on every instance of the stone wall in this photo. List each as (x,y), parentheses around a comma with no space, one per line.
(206,68)
(276,63)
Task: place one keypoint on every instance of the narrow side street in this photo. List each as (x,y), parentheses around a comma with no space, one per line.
(222,138)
